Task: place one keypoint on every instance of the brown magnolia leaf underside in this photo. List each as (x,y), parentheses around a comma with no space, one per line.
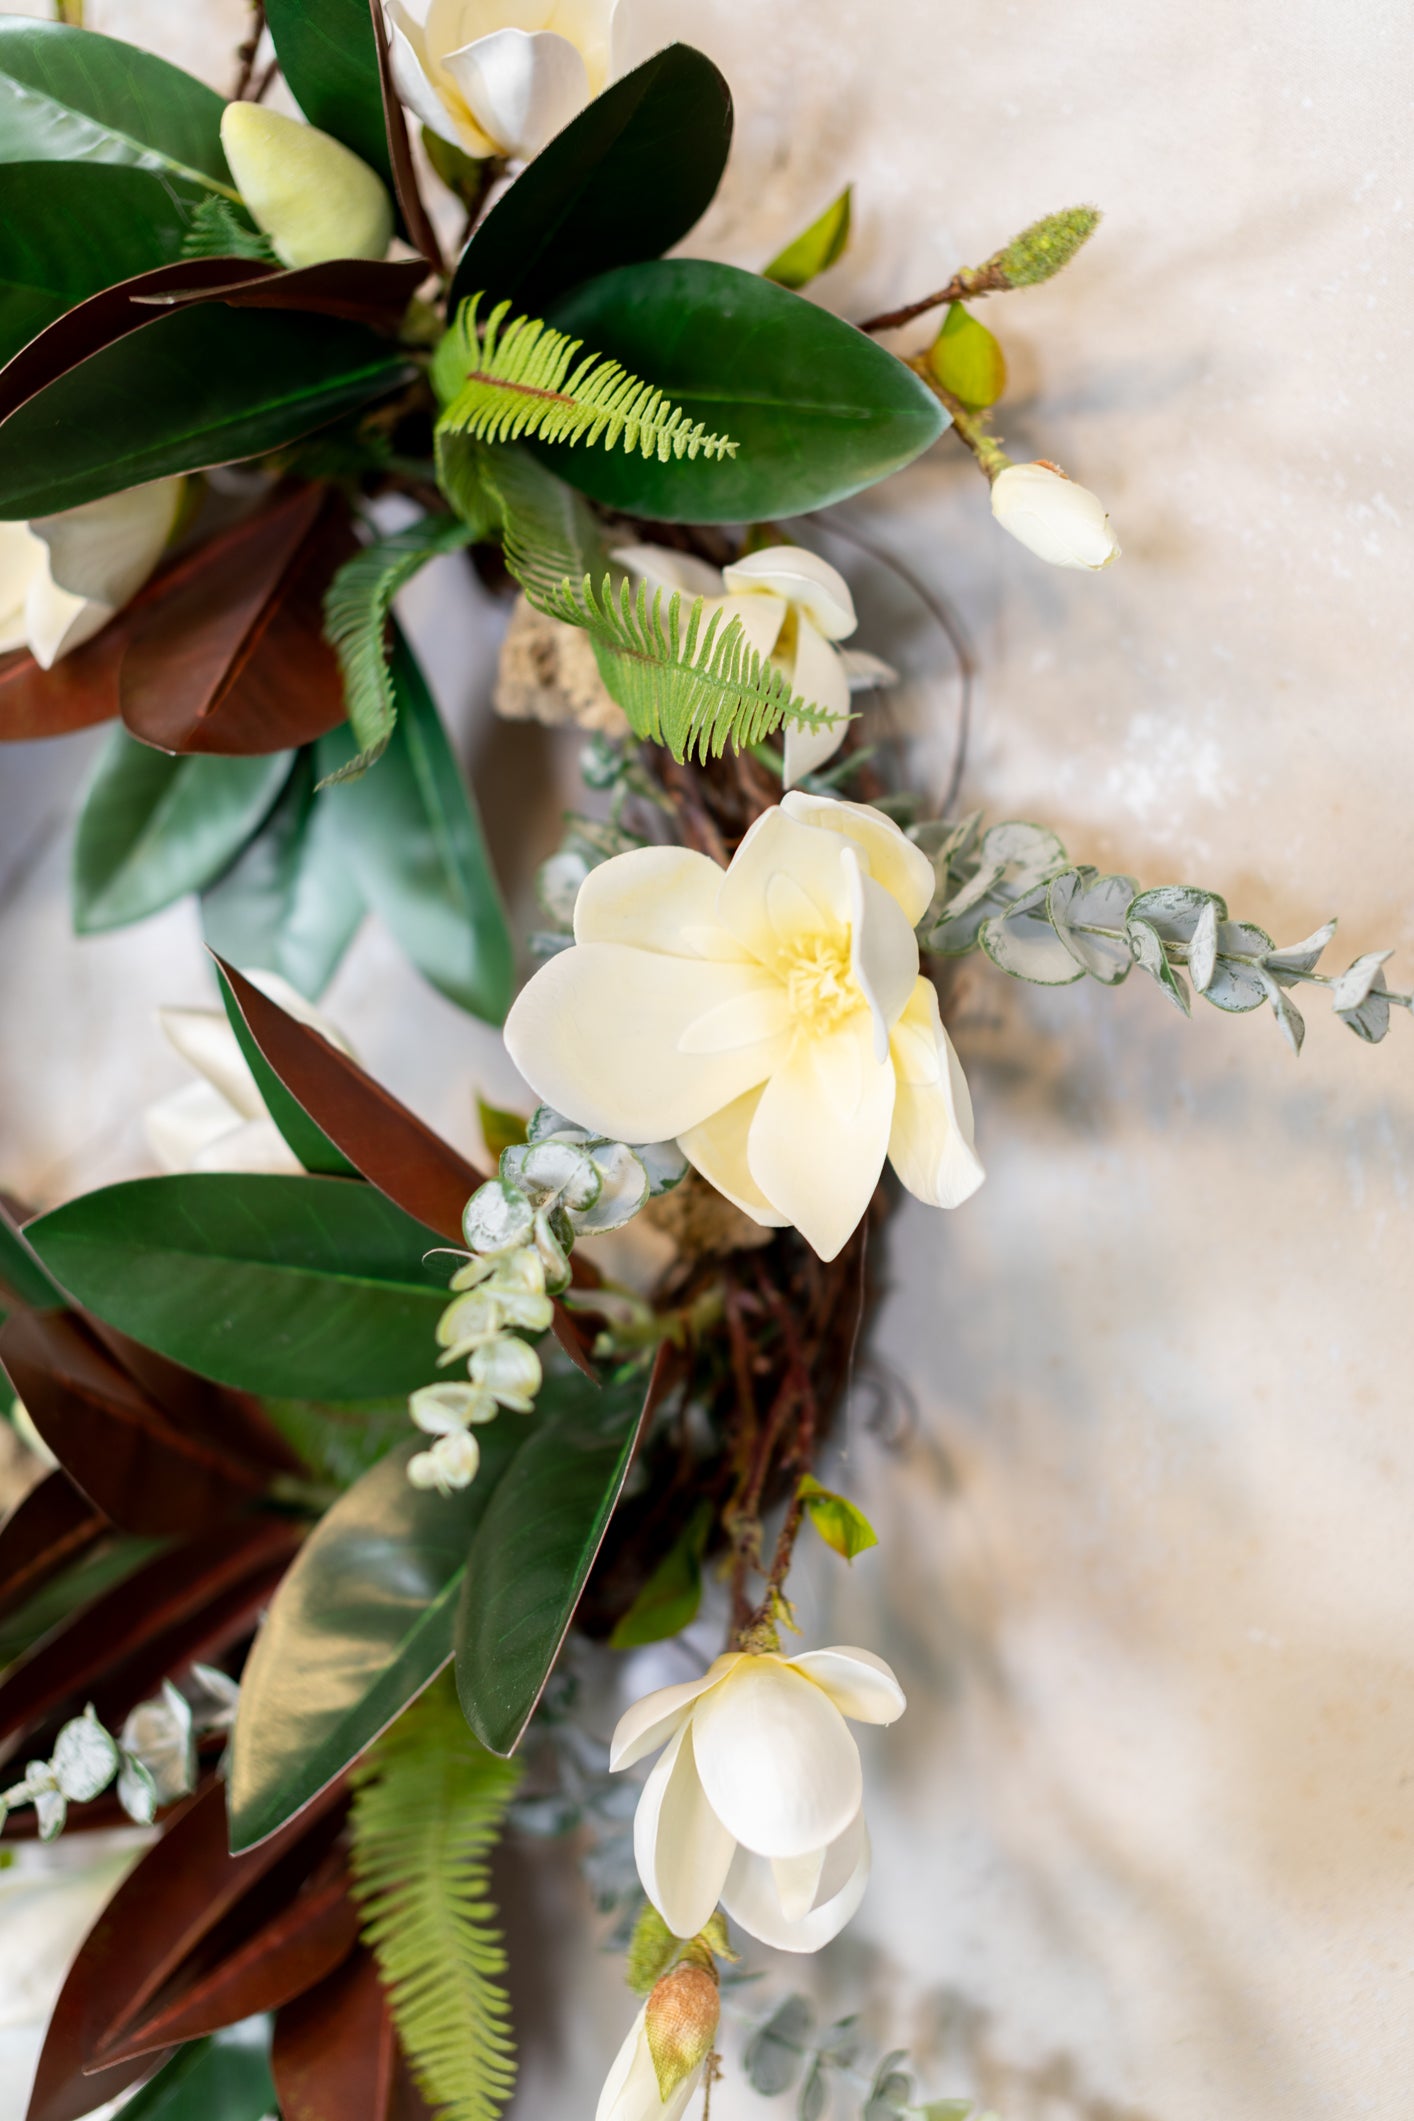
(52,1526)
(164,1912)
(335,2055)
(416,219)
(364,290)
(233,658)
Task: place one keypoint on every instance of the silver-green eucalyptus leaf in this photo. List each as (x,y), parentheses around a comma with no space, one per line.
(1243,939)
(1082,908)
(1354,984)
(1147,946)
(1299,957)
(1203,948)
(1290,1022)
(1174,910)
(498,1217)
(665,1164)
(1369,1019)
(623,1189)
(85,1758)
(547,1171)
(137,1790)
(1235,987)
(1031,950)
(161,1735)
(51,1809)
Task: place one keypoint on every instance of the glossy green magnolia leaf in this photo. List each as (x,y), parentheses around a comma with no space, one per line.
(535,1549)
(154,827)
(816,248)
(305,1288)
(223,2078)
(202,385)
(669,1600)
(309,1142)
(967,359)
(841,1525)
(330,63)
(624,181)
(359,1626)
(21,1273)
(290,902)
(70,95)
(416,841)
(819,410)
(68,229)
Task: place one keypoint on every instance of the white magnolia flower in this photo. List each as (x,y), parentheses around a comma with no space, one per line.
(757,1799)
(500,77)
(632,2091)
(307,192)
(772,1018)
(63,577)
(793,607)
(1053,517)
(220,1123)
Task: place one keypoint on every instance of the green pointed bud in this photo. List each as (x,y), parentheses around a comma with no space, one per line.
(817,248)
(843,1527)
(312,198)
(681,2019)
(652,1950)
(967,360)
(1041,250)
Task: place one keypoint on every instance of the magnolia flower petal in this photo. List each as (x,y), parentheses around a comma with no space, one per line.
(682,1849)
(752,1900)
(860,1684)
(761,619)
(883,954)
(759,1013)
(717,1149)
(656,898)
(255,1145)
(819,677)
(1053,517)
(865,671)
(652,1721)
(58,621)
(818,590)
(631,2088)
(776,1759)
(797,1881)
(930,1145)
(598,1032)
(106,549)
(786,886)
(206,1042)
(589,26)
(521,88)
(903,869)
(182,1125)
(23,556)
(664,569)
(817,1144)
(414,87)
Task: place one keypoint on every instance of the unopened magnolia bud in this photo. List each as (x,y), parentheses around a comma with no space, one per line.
(1043,248)
(967,360)
(1053,517)
(681,2019)
(309,195)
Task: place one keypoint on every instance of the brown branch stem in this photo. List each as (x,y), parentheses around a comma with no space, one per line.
(245,54)
(964,286)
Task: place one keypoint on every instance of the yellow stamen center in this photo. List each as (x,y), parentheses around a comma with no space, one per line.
(820,987)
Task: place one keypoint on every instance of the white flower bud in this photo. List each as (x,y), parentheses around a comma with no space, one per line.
(509,1370)
(311,196)
(1053,517)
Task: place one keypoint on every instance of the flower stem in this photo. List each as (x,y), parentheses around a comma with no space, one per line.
(964,286)
(969,427)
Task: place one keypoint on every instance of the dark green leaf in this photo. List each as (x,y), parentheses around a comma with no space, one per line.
(290,902)
(305,1288)
(340,1441)
(421,860)
(536,1547)
(819,410)
(360,1624)
(69,95)
(669,1600)
(20,1272)
(205,384)
(624,181)
(154,827)
(69,229)
(310,1143)
(357,607)
(224,2078)
(816,248)
(330,62)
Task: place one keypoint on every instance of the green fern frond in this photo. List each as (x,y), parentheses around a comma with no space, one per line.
(217,230)
(429,1803)
(522,379)
(356,609)
(694,684)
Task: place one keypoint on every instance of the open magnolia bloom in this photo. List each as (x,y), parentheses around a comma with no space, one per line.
(63,577)
(303,189)
(500,77)
(757,1799)
(220,1123)
(793,607)
(773,1018)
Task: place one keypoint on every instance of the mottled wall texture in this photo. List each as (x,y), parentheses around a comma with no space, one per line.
(1144,1840)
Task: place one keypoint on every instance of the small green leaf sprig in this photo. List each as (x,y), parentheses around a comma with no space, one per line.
(153,1758)
(1013,891)
(783,2050)
(562,1182)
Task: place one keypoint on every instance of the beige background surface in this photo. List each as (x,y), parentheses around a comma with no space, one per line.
(1143,1843)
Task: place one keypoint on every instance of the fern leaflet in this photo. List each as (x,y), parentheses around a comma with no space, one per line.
(522,379)
(356,610)
(429,1802)
(218,230)
(688,680)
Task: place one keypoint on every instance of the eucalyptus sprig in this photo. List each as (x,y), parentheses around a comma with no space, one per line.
(1014,891)
(835,2077)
